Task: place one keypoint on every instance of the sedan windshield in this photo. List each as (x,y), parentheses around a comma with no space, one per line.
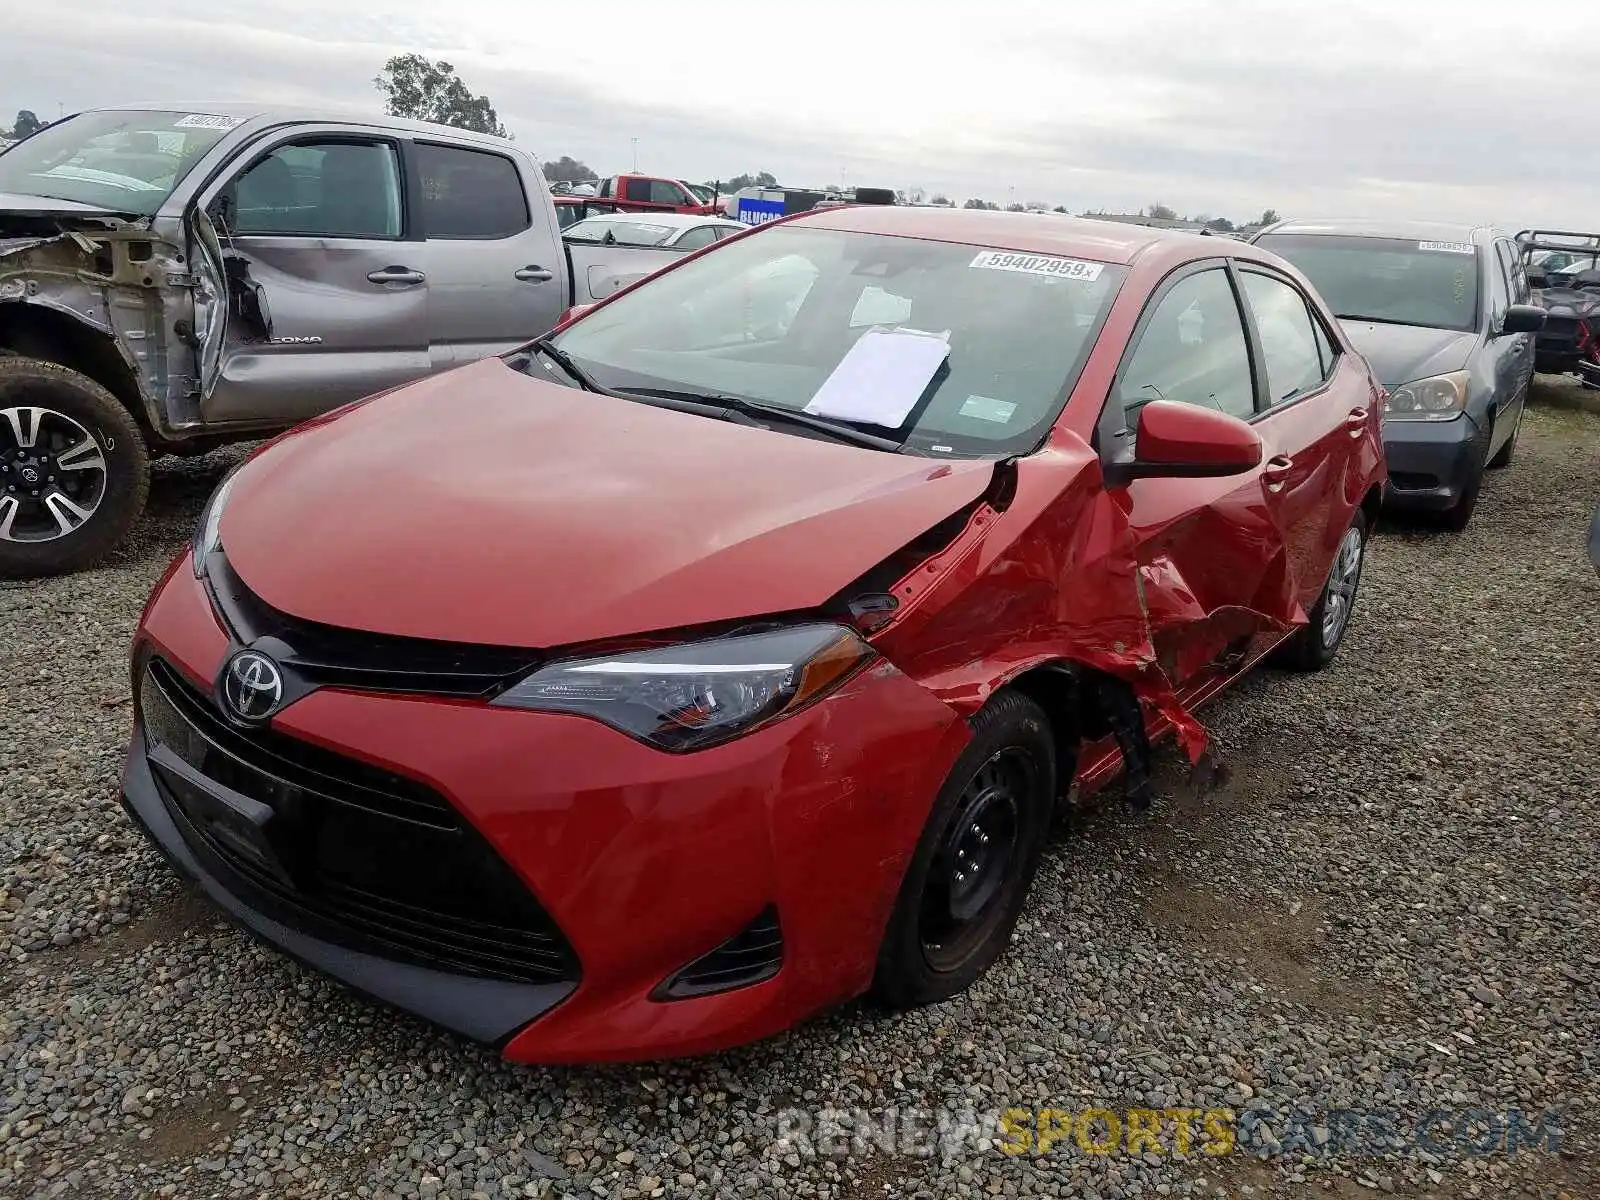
(623,233)
(1400,281)
(769,318)
(124,161)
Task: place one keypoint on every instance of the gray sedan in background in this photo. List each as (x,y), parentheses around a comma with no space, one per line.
(1442,313)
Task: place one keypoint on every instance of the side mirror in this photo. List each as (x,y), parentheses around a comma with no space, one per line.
(1183,441)
(1523,318)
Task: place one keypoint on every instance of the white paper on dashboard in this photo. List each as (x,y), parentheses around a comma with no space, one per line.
(882,377)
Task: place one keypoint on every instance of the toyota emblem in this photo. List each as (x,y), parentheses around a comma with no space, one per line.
(252,686)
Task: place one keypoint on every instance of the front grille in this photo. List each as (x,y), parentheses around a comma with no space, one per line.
(753,954)
(349,658)
(350,853)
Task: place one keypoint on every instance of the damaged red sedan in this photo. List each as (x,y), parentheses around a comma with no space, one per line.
(723,656)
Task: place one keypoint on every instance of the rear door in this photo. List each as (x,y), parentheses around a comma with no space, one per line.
(1317,409)
(326,296)
(494,261)
(1210,553)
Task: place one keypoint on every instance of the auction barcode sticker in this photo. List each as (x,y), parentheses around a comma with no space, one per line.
(1448,247)
(1038,264)
(207,121)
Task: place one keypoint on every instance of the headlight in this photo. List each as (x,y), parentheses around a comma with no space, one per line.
(1436,398)
(698,694)
(208,533)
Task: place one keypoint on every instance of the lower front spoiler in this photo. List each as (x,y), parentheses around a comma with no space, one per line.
(484,1010)
(1431,464)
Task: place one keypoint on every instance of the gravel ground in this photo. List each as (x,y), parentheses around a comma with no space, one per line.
(1388,905)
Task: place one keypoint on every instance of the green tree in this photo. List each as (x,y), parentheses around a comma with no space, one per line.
(568,170)
(1269,216)
(1160,212)
(1220,224)
(26,125)
(759,179)
(422,90)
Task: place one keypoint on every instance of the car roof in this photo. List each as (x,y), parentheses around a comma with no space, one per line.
(1441,231)
(669,220)
(1030,233)
(268,115)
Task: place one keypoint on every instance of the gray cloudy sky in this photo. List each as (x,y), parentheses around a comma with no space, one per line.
(1443,109)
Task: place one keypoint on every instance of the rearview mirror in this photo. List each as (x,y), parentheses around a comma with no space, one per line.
(1182,441)
(1523,318)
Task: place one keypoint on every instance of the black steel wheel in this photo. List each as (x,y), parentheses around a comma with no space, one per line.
(975,859)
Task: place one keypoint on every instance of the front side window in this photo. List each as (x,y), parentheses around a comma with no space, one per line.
(1397,281)
(470,194)
(770,318)
(123,161)
(336,188)
(694,239)
(663,191)
(1293,360)
(1192,350)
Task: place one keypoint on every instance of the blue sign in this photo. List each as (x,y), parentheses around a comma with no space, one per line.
(759,212)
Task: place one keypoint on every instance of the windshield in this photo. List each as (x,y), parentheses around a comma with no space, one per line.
(124,161)
(1402,281)
(625,233)
(770,316)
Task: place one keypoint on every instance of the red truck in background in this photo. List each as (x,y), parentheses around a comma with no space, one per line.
(652,193)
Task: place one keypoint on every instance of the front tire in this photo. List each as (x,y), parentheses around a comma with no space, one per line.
(74,471)
(1314,646)
(975,860)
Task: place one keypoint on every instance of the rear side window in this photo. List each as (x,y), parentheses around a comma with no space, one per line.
(1294,361)
(697,238)
(1193,350)
(637,189)
(470,194)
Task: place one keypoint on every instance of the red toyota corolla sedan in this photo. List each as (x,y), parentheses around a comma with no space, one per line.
(723,655)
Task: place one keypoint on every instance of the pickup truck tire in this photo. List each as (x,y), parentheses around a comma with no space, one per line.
(66,434)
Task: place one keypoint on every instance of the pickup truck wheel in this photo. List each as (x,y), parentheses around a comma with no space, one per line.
(975,859)
(74,471)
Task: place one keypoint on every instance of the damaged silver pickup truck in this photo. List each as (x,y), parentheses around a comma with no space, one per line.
(174,279)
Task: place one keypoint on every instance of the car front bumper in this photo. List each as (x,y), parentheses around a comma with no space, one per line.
(1431,463)
(642,862)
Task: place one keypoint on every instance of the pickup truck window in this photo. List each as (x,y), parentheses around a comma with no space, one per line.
(345,188)
(470,194)
(122,160)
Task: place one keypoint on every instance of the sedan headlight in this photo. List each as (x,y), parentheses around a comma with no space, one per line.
(697,694)
(1436,398)
(208,533)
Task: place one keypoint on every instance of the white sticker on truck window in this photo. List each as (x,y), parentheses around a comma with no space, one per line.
(1448,247)
(1038,264)
(207,121)
(987,408)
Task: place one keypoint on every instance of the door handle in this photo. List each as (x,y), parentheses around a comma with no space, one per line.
(534,274)
(396,275)
(1276,471)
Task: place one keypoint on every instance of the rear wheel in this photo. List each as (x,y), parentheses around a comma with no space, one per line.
(1314,646)
(73,469)
(975,860)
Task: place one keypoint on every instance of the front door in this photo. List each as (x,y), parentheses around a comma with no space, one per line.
(495,275)
(327,297)
(1513,353)
(1211,557)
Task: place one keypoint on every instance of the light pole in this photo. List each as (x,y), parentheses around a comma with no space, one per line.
(635,156)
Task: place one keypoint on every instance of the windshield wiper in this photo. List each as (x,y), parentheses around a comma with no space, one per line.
(1374,320)
(756,408)
(564,360)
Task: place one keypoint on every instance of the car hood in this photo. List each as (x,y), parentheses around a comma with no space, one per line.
(12,204)
(482,505)
(1401,353)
